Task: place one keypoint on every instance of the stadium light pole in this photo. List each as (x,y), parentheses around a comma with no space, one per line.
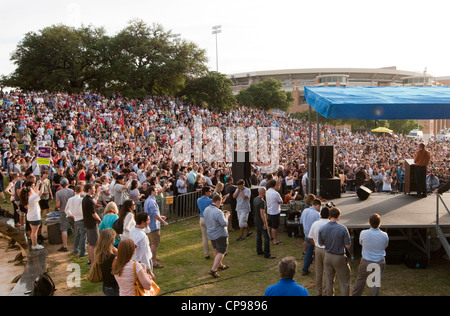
(216,30)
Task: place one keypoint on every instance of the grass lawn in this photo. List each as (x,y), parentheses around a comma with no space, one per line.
(186,270)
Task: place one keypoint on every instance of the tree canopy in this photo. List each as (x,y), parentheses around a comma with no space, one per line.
(266,95)
(212,90)
(140,60)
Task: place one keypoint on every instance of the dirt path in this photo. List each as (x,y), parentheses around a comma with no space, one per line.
(8,271)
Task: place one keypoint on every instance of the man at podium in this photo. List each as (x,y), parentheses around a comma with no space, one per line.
(421,160)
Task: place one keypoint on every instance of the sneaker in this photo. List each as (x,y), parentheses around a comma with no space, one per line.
(248,234)
(63,249)
(37,247)
(240,238)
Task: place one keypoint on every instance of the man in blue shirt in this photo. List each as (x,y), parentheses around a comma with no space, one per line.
(152,209)
(216,227)
(202,204)
(287,285)
(374,243)
(335,238)
(308,217)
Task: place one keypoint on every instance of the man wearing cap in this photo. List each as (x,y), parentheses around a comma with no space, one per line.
(62,196)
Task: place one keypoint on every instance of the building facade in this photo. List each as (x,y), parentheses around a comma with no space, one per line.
(295,80)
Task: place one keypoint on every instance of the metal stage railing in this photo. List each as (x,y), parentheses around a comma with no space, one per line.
(439,231)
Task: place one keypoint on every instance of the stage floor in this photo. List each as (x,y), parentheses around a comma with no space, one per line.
(396,211)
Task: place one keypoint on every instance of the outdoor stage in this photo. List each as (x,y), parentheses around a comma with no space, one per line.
(396,210)
(403,217)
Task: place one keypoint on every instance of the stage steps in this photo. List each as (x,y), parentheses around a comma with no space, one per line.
(443,239)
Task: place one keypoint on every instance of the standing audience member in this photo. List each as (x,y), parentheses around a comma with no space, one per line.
(242,196)
(287,286)
(62,196)
(126,218)
(138,234)
(74,210)
(273,199)
(119,190)
(308,217)
(202,203)
(29,198)
(374,243)
(47,195)
(10,190)
(335,238)
(230,203)
(91,218)
(110,216)
(261,225)
(124,269)
(156,219)
(105,253)
(319,251)
(216,227)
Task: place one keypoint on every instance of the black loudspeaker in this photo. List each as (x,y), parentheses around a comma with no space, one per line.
(363,193)
(329,188)
(241,167)
(326,160)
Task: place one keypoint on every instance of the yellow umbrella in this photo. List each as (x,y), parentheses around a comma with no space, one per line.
(382,130)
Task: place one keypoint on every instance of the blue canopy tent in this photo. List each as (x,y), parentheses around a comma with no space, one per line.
(375,103)
(380,103)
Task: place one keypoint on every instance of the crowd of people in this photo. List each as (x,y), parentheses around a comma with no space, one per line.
(115,154)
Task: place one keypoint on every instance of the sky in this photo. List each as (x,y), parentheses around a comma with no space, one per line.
(260,35)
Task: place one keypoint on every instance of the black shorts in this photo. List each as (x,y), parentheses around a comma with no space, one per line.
(273,221)
(220,244)
(43,204)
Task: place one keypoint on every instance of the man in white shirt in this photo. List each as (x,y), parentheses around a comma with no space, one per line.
(273,199)
(374,243)
(138,234)
(319,250)
(182,184)
(242,196)
(74,210)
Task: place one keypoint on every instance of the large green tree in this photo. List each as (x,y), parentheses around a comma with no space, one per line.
(212,90)
(57,58)
(148,59)
(140,60)
(266,95)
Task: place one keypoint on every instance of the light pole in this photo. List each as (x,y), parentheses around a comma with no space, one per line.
(216,30)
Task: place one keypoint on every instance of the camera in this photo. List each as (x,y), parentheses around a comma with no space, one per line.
(330,205)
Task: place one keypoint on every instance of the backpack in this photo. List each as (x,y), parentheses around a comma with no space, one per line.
(44,286)
(118,228)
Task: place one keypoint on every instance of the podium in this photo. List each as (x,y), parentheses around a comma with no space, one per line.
(410,177)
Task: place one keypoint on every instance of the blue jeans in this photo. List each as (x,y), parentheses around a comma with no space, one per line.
(259,249)
(308,255)
(80,238)
(110,291)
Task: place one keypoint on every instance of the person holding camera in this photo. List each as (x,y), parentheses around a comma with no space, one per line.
(216,228)
(242,196)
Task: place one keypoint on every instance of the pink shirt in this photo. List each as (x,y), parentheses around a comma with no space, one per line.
(126,279)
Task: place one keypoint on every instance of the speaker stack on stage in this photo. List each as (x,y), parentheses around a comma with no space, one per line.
(241,167)
(330,185)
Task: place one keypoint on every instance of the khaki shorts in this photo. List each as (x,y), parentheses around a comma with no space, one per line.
(243,219)
(155,237)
